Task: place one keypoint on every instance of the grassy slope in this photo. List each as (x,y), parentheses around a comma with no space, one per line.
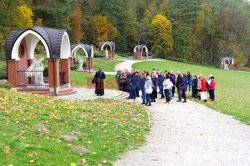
(105,127)
(233,87)
(105,65)
(80,78)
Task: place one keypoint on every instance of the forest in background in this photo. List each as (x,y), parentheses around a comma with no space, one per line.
(193,31)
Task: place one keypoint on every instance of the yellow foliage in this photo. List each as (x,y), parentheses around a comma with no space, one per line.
(104,29)
(76,21)
(26,17)
(162,36)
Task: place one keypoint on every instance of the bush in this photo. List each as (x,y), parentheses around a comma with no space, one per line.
(5,85)
(3,70)
(96,55)
(46,72)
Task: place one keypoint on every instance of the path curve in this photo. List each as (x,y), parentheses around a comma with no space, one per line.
(190,134)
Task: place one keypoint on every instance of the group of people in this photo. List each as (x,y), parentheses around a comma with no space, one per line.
(166,84)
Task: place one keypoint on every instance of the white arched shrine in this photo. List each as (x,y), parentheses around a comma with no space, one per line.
(32,38)
(106,43)
(77,48)
(139,50)
(65,47)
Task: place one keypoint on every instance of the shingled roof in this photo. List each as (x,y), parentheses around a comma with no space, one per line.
(140,48)
(88,48)
(112,44)
(52,37)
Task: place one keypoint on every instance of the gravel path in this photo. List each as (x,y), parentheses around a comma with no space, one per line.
(89,94)
(191,134)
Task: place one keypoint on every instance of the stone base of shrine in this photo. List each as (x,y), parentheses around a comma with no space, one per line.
(60,91)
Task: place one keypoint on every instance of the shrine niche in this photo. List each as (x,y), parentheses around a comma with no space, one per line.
(140,52)
(78,61)
(27,72)
(107,48)
(227,63)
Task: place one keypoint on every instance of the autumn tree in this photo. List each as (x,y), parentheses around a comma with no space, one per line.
(26,17)
(162,36)
(76,23)
(104,29)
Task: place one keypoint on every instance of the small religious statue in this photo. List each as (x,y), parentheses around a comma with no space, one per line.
(80,64)
(36,70)
(106,53)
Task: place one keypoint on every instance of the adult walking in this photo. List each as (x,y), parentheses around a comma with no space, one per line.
(99,83)
(148,90)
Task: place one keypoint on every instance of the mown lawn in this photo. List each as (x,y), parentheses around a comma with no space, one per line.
(83,79)
(105,65)
(233,87)
(106,128)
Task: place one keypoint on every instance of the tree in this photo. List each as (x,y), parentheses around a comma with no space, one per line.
(162,36)
(76,22)
(55,13)
(26,17)
(104,29)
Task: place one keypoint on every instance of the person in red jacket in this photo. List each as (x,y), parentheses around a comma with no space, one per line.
(203,84)
(212,88)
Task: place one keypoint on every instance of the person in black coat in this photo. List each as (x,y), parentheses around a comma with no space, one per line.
(133,86)
(155,84)
(178,83)
(138,87)
(173,80)
(99,83)
(128,83)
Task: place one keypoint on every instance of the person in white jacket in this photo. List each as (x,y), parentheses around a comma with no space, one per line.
(148,90)
(167,84)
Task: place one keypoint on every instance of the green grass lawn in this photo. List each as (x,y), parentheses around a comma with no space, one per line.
(81,79)
(106,128)
(105,65)
(232,91)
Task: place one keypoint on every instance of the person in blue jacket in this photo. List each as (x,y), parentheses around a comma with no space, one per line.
(183,87)
(160,83)
(190,81)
